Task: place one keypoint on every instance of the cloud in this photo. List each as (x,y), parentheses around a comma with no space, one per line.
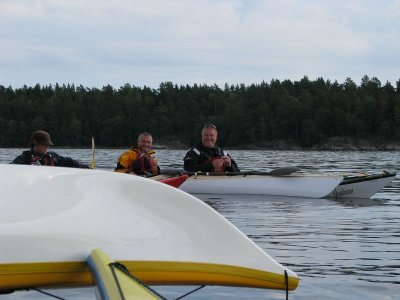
(146,42)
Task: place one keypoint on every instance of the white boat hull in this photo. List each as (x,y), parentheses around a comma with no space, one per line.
(310,186)
(52,218)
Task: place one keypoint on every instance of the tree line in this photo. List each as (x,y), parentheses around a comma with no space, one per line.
(304,112)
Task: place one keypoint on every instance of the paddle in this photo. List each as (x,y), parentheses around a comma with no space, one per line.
(93,154)
(284,171)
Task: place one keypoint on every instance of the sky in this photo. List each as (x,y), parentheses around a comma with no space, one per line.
(144,43)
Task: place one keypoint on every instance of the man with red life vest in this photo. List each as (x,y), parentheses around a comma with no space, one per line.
(40,156)
(207,156)
(140,160)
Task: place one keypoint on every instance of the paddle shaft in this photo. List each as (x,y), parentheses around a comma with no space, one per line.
(92,165)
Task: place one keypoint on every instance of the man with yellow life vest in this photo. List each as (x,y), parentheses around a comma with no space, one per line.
(207,156)
(140,160)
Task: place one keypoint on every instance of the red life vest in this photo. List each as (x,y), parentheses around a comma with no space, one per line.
(42,160)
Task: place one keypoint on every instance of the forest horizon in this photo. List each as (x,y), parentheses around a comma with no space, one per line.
(304,112)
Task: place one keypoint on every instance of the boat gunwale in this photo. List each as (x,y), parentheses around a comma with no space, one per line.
(58,274)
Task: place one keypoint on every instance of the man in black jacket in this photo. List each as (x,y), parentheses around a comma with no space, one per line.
(207,156)
(38,155)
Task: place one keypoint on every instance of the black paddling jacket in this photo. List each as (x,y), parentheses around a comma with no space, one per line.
(30,157)
(199,158)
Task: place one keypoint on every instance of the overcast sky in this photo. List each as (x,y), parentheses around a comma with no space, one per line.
(97,42)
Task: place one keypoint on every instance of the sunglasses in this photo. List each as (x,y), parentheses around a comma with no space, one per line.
(210,126)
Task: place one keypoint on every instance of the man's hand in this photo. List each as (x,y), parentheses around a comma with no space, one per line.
(153,165)
(227,161)
(218,164)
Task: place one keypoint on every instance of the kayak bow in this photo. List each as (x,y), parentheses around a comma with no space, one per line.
(52,218)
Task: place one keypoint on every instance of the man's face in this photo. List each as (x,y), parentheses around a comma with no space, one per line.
(144,143)
(40,148)
(209,137)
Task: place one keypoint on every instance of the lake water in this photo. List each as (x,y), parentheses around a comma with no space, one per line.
(340,249)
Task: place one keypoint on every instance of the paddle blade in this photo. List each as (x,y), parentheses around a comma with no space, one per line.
(284,171)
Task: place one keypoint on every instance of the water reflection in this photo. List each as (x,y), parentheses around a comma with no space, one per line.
(350,202)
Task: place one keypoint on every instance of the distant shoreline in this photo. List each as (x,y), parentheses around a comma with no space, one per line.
(333,144)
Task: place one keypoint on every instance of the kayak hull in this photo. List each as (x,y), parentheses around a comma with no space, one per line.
(310,186)
(52,218)
(364,186)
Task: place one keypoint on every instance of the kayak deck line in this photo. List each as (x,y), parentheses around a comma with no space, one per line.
(278,172)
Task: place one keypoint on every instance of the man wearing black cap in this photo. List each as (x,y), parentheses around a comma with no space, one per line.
(38,155)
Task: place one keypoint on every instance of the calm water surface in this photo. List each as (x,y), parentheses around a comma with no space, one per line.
(340,249)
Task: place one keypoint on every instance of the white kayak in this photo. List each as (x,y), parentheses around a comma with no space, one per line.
(362,186)
(309,186)
(51,219)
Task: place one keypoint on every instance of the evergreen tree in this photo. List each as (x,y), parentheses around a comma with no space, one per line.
(303,112)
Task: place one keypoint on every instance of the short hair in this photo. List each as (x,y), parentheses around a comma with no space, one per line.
(143,134)
(212,126)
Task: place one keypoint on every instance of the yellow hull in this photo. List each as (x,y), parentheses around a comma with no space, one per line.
(64,274)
